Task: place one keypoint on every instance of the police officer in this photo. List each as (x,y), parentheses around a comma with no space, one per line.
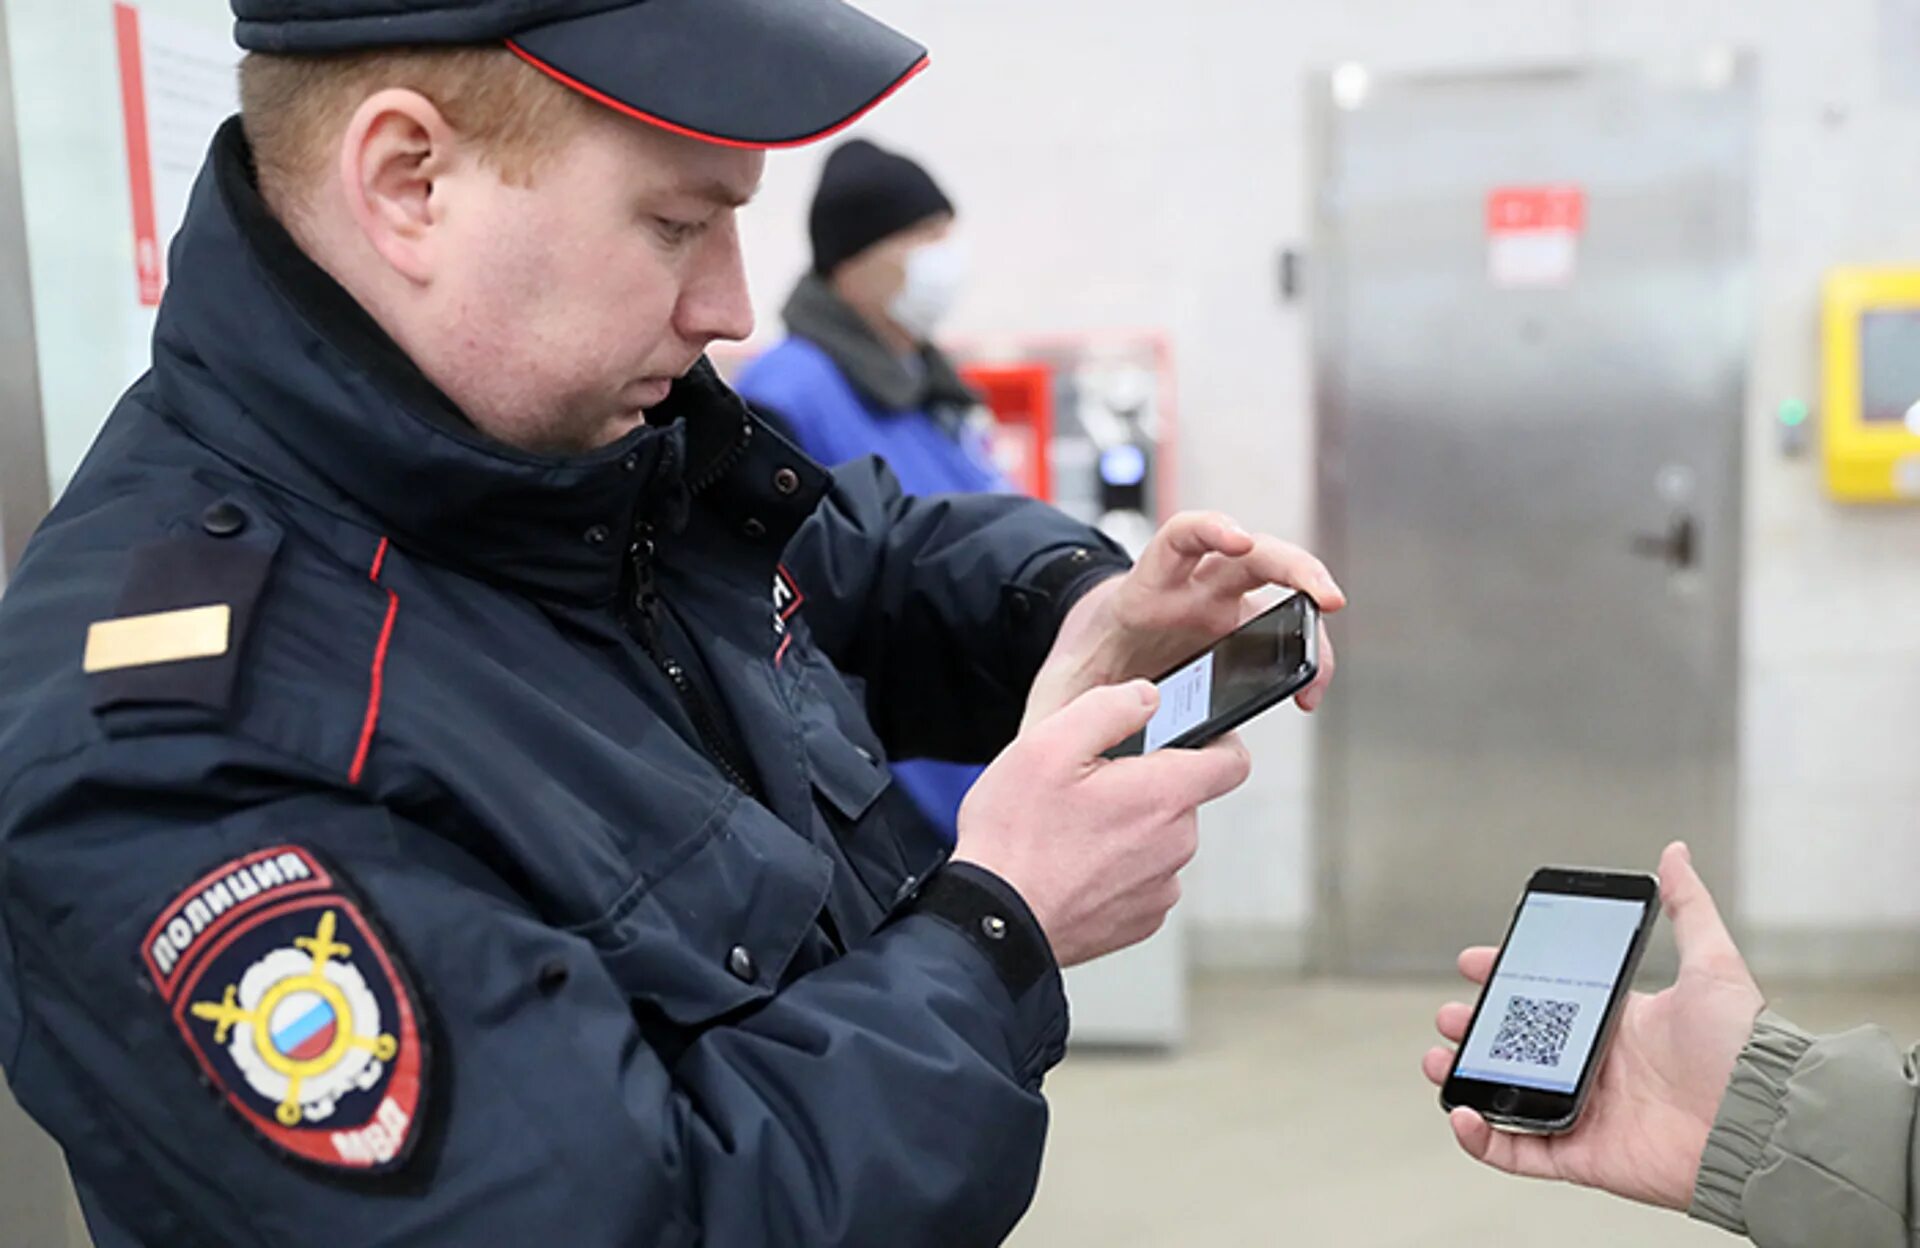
(432,808)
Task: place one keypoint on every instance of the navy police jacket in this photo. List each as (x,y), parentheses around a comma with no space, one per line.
(408,840)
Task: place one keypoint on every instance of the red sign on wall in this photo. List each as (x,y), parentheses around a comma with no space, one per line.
(133,101)
(1533,236)
(1522,209)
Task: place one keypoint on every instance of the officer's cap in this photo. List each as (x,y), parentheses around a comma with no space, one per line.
(746,73)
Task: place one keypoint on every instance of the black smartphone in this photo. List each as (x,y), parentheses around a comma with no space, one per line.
(1262,663)
(1541,1029)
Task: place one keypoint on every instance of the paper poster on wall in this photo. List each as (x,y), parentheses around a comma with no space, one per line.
(1533,236)
(177,84)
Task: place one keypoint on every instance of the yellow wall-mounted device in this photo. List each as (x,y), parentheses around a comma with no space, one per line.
(1870,427)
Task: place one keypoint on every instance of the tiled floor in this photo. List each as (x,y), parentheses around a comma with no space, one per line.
(1297,1116)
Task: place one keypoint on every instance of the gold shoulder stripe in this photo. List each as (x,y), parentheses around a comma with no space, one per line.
(166,637)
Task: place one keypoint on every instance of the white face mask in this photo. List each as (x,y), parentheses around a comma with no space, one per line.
(935,275)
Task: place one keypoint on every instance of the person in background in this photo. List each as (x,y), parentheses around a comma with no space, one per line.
(859,374)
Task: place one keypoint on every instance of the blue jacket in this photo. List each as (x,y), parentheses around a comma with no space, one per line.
(799,384)
(406,840)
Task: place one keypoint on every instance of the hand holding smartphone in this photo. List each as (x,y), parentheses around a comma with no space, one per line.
(1543,1023)
(1259,665)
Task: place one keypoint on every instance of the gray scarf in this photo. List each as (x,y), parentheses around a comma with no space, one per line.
(816,313)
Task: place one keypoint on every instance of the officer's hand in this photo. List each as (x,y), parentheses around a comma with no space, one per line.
(1197,581)
(1654,1105)
(1095,846)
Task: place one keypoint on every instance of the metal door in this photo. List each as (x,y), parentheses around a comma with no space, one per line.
(1529,482)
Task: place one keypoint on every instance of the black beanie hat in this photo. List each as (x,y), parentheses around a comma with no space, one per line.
(867,194)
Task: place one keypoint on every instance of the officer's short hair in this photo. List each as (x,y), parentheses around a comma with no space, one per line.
(295,107)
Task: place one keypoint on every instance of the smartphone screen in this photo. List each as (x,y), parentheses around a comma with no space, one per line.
(1266,660)
(1546,1012)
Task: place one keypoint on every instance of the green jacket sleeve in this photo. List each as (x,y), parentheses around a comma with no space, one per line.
(1815,1143)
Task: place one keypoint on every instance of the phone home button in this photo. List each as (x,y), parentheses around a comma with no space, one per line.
(1506,1100)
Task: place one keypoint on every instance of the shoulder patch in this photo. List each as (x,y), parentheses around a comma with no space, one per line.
(294,1008)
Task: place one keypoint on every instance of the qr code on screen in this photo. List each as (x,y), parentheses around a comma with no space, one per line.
(1535,1033)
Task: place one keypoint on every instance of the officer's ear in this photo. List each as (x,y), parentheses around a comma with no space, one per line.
(396,148)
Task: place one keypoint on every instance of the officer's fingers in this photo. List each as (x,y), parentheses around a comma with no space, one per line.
(1476,964)
(1437,1065)
(1177,549)
(1271,561)
(1315,693)
(1234,744)
(1191,778)
(1453,1020)
(1096,721)
(1235,763)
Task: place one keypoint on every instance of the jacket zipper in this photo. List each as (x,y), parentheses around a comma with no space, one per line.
(645,626)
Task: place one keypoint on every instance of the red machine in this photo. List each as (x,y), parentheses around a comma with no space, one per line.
(1020,396)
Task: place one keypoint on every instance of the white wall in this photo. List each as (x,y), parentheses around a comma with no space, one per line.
(1127,163)
(91,329)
